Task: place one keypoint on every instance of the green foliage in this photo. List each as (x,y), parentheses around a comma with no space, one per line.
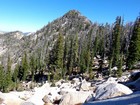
(1,78)
(110,65)
(66,55)
(32,66)
(83,59)
(60,52)
(8,76)
(95,47)
(119,72)
(116,41)
(49,77)
(73,57)
(134,47)
(15,74)
(70,57)
(101,47)
(56,57)
(75,50)
(24,67)
(100,41)
(88,58)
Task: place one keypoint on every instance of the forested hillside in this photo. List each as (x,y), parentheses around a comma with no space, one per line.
(69,45)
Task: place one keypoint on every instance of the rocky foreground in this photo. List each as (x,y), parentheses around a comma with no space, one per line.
(111,91)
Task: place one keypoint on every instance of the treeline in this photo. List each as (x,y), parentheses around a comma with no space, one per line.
(74,54)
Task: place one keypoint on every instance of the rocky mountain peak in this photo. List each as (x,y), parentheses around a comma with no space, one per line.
(74,13)
(70,23)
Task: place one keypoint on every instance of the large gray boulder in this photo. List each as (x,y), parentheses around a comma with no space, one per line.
(74,98)
(110,90)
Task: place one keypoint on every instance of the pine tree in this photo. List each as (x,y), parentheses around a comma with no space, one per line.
(134,47)
(116,41)
(24,67)
(119,72)
(75,50)
(83,56)
(8,76)
(1,77)
(15,74)
(59,51)
(95,47)
(70,57)
(110,65)
(59,54)
(101,41)
(32,66)
(88,55)
(66,52)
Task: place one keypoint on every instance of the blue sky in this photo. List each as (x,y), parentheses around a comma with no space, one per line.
(31,15)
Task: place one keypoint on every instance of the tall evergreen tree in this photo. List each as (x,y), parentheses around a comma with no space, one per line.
(95,47)
(75,50)
(1,78)
(59,51)
(134,47)
(8,75)
(66,53)
(101,43)
(116,41)
(24,67)
(88,47)
(32,66)
(59,54)
(119,72)
(70,57)
(83,56)
(15,74)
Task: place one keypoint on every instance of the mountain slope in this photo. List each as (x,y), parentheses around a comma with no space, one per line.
(16,43)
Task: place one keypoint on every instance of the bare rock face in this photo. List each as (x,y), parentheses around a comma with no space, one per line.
(110,90)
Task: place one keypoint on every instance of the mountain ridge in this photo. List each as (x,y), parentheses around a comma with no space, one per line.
(70,23)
